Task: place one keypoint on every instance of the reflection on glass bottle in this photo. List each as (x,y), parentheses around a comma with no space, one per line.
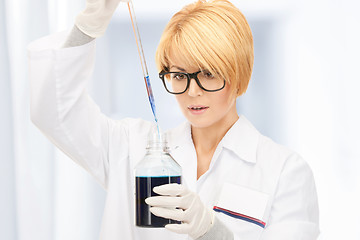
(157,168)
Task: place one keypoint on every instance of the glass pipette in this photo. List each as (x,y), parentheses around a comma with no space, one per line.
(143,61)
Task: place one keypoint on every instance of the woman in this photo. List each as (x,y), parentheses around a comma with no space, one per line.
(238,184)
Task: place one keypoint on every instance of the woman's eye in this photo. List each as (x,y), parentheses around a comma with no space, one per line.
(208,74)
(179,76)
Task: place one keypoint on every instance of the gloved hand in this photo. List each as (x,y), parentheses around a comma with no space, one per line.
(178,203)
(94,20)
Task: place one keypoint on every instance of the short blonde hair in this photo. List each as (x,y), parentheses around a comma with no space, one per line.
(215,36)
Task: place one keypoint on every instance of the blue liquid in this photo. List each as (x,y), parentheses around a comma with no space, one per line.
(152,102)
(144,186)
(151,96)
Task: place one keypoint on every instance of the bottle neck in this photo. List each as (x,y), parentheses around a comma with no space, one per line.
(157,143)
(157,147)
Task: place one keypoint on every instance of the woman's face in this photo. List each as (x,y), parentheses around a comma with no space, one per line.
(201,108)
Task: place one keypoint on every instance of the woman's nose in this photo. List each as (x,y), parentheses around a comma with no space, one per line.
(194,89)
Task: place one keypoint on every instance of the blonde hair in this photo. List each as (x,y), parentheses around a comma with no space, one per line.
(215,36)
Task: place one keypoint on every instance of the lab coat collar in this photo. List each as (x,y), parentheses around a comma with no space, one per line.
(242,139)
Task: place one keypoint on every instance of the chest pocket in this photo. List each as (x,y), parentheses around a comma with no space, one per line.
(242,210)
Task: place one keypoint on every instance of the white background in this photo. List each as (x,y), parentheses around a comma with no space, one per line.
(303,94)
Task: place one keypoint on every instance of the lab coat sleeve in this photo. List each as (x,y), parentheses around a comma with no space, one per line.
(294,213)
(61,107)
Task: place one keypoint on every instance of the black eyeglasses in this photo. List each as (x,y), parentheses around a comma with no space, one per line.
(179,82)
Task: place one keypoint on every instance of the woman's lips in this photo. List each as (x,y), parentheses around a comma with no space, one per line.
(197,109)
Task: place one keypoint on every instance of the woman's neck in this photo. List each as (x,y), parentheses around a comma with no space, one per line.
(207,139)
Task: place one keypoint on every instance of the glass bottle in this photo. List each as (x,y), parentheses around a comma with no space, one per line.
(157,168)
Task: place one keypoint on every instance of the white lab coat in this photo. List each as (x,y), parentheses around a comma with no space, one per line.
(249,173)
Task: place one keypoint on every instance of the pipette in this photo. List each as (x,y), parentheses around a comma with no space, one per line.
(143,61)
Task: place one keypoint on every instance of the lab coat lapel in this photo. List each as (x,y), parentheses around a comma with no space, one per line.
(183,151)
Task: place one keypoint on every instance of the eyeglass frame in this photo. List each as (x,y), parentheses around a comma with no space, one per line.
(189,77)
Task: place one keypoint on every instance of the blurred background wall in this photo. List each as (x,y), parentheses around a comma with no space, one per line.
(303,94)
